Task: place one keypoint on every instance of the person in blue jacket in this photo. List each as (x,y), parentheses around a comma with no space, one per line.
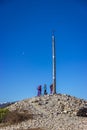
(45,89)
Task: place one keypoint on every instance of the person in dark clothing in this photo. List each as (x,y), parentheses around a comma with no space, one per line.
(45,89)
(51,89)
(39,90)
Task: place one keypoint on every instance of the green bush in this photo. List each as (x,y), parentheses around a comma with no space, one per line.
(3,113)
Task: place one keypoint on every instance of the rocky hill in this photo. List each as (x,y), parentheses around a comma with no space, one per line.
(51,112)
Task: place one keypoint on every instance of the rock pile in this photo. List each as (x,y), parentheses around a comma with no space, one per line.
(51,112)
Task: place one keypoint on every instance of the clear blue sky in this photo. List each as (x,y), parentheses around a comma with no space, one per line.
(25,47)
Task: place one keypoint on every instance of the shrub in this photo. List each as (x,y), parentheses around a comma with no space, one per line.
(16,117)
(3,113)
(12,117)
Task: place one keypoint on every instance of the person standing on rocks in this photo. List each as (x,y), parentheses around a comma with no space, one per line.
(51,89)
(45,89)
(39,90)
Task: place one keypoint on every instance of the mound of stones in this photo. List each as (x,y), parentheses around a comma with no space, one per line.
(52,112)
(60,104)
(52,104)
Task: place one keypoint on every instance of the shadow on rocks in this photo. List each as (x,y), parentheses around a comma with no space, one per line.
(82,112)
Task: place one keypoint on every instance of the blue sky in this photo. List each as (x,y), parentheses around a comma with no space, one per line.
(26,49)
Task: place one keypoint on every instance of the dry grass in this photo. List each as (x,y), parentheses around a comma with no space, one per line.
(15,117)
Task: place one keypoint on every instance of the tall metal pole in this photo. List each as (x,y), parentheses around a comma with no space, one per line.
(54,63)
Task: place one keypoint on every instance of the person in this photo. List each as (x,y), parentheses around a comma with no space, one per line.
(39,90)
(51,89)
(45,89)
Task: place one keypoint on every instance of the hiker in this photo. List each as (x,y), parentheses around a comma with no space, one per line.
(51,89)
(45,89)
(39,90)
